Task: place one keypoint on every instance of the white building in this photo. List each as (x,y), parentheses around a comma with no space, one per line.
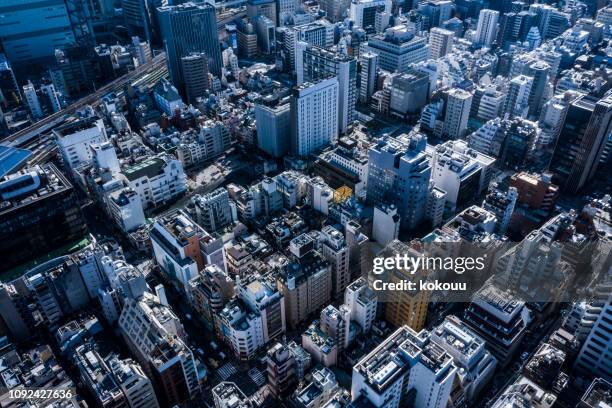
(458,107)
(460,171)
(74,139)
(386,224)
(406,362)
(125,208)
(476,365)
(32,99)
(369,65)
(314,116)
(486,30)
(440,42)
(157,180)
(362,302)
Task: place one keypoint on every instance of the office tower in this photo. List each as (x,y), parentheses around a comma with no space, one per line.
(592,359)
(52,97)
(335,10)
(489,105)
(398,48)
(539,71)
(29,92)
(406,368)
(32,31)
(40,213)
(305,282)
(182,248)
(266,35)
(10,95)
(500,319)
(74,70)
(141,18)
(263,299)
(284,10)
(281,370)
(195,72)
(314,116)
(440,42)
(315,63)
(581,141)
(369,66)
(188,28)
(461,172)
(409,93)
(551,120)
(458,104)
(98,378)
(209,293)
(212,210)
(517,100)
(398,174)
(520,138)
(272,115)
(153,333)
(363,13)
(258,8)
(475,364)
(336,252)
(487,27)
(319,33)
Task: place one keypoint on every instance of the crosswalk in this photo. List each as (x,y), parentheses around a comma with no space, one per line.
(257,377)
(226,371)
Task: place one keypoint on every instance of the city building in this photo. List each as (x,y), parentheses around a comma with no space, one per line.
(314,100)
(273,118)
(73,140)
(187,28)
(440,42)
(486,30)
(398,48)
(405,367)
(39,212)
(407,186)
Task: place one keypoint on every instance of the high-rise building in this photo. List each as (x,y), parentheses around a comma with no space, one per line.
(305,282)
(592,359)
(281,370)
(409,93)
(581,141)
(212,210)
(335,10)
(517,99)
(74,139)
(195,74)
(398,48)
(10,96)
(336,252)
(458,106)
(315,64)
(29,92)
(405,367)
(314,116)
(141,18)
(34,30)
(363,12)
(398,174)
(273,118)
(369,65)
(440,42)
(487,27)
(154,334)
(39,212)
(188,28)
(500,319)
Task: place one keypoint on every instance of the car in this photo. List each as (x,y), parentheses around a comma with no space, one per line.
(200,352)
(214,345)
(188,316)
(524,355)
